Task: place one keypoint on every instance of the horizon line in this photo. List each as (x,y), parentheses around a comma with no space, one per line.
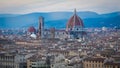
(58,11)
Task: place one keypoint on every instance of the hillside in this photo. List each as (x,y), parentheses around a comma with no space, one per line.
(59,19)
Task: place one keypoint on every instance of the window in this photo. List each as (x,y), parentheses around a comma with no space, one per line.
(57,33)
(33,67)
(77,29)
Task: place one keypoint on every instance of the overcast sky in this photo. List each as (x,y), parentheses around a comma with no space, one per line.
(29,6)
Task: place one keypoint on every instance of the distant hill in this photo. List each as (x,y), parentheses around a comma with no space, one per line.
(8,15)
(59,19)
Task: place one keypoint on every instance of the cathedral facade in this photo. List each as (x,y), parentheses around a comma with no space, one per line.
(74,29)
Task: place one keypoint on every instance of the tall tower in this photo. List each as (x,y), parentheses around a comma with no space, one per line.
(41,27)
(52,30)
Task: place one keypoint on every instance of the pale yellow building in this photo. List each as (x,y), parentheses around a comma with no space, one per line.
(112,65)
(57,52)
(93,63)
(37,61)
(100,63)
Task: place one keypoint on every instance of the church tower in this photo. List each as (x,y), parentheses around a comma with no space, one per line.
(41,27)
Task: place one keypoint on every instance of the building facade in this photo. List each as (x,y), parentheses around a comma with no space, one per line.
(100,62)
(74,29)
(93,63)
(75,26)
(8,61)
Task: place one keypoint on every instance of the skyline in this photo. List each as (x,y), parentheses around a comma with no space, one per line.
(30,6)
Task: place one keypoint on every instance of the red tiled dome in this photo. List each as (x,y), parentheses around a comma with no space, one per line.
(75,20)
(31,29)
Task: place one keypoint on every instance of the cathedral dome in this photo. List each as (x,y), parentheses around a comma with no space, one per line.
(74,21)
(31,29)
